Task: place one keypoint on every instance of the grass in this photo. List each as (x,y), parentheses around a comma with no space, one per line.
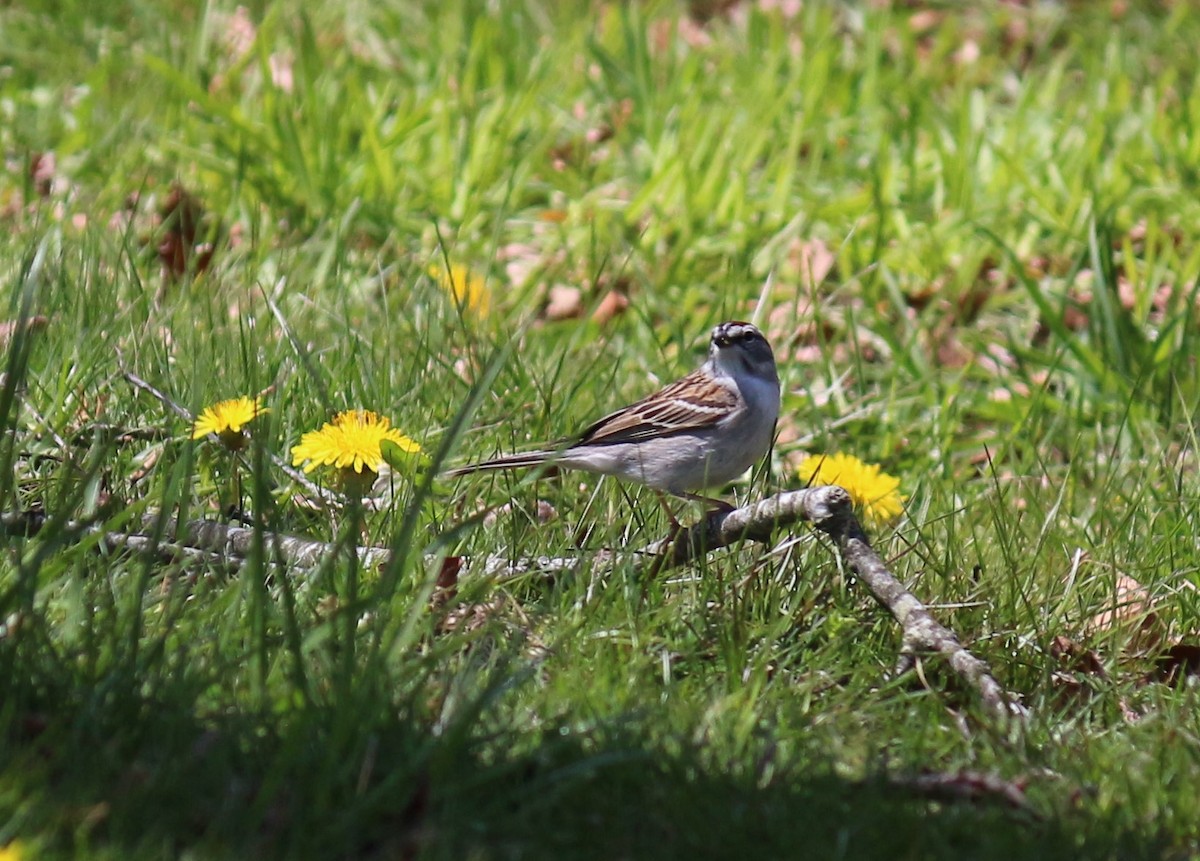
(977,232)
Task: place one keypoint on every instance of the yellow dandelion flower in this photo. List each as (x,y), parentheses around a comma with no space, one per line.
(228,419)
(469,290)
(351,442)
(876,494)
(14,851)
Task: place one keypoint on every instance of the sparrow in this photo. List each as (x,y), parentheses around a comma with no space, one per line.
(701,431)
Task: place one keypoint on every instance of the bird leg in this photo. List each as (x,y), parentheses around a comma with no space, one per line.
(713,506)
(675,525)
(717,504)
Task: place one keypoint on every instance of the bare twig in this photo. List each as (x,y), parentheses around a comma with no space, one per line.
(138,383)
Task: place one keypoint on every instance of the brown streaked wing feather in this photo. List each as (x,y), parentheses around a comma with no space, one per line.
(670,410)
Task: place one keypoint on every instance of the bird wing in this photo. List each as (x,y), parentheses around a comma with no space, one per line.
(696,401)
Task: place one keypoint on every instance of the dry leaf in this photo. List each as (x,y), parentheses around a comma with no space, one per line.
(546,512)
(471,617)
(924,20)
(1079,298)
(566,303)
(968,53)
(1140,233)
(180,216)
(35,323)
(703,11)
(1076,664)
(797,337)
(1178,663)
(281,71)
(1130,608)
(238,33)
(789,9)
(149,461)
(522,260)
(1075,658)
(813,261)
(613,304)
(543,513)
(968,786)
(447,581)
(950,350)
(235,37)
(42,168)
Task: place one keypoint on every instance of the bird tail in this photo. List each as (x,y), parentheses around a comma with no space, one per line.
(514,461)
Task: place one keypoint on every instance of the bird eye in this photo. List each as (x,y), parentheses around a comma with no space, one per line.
(735,333)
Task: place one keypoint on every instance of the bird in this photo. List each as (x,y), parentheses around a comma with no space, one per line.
(701,431)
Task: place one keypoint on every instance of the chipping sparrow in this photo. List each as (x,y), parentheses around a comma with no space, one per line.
(703,430)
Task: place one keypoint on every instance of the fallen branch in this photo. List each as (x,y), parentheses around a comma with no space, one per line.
(830,510)
(209,541)
(922,633)
(967,786)
(827,508)
(754,522)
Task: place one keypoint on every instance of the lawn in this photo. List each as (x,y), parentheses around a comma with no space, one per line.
(972,239)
